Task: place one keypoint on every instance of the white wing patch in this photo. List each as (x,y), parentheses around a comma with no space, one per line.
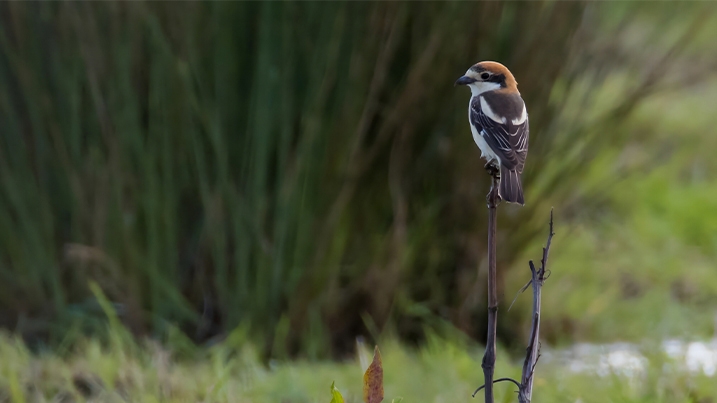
(485,108)
(521,118)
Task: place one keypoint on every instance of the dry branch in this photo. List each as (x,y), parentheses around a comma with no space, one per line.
(533,351)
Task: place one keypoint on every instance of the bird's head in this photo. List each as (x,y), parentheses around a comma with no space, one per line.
(488,76)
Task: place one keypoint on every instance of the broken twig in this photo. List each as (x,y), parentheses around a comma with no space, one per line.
(525,392)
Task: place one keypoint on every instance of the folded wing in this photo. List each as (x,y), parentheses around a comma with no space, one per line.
(502,121)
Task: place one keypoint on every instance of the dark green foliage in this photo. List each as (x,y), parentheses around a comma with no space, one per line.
(288,167)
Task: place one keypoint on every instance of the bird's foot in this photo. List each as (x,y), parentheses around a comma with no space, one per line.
(493,197)
(492,168)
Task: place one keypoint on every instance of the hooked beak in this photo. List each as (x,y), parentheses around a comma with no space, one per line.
(464,81)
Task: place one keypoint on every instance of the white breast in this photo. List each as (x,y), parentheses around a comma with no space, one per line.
(486,151)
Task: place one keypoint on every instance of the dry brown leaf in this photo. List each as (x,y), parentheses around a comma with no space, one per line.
(373,380)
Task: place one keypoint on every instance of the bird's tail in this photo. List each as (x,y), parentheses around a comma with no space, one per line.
(511,187)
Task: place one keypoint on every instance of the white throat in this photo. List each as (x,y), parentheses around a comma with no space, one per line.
(480,87)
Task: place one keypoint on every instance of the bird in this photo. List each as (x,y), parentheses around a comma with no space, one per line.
(499,123)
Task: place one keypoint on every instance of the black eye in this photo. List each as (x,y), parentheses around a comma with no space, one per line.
(485,76)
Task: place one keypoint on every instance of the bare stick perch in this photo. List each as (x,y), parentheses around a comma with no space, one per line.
(488,365)
(533,351)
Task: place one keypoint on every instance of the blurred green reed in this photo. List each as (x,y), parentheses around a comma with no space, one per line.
(304,170)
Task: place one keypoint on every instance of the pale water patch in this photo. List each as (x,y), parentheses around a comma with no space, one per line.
(628,360)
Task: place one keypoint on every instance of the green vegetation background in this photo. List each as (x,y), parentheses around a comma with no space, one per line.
(302,173)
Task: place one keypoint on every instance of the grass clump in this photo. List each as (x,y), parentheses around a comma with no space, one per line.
(440,371)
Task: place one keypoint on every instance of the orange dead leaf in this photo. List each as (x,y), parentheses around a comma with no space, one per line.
(373,380)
